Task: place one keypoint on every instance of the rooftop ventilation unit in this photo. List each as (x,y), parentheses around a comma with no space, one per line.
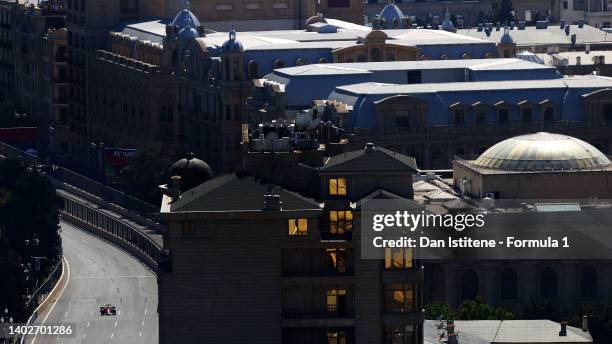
(542,24)
(521,25)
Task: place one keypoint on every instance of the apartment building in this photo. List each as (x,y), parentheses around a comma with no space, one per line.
(279,252)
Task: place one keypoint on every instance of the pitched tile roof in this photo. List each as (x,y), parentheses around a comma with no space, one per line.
(378,160)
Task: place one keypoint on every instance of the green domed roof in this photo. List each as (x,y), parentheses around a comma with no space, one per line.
(192,171)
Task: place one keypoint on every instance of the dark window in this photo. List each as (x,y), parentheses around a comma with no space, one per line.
(526,115)
(481,117)
(338,3)
(549,114)
(376,56)
(578,5)
(399,334)
(508,284)
(548,283)
(469,285)
(437,154)
(459,117)
(565,5)
(459,151)
(607,112)
(414,77)
(402,121)
(588,282)
(503,115)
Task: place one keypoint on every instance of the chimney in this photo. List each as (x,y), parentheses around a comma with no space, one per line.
(585,323)
(175,188)
(587,48)
(450,332)
(369,147)
(580,23)
(567,30)
(563,332)
(272,202)
(561,24)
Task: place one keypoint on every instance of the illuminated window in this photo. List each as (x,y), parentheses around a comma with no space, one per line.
(340,221)
(337,186)
(398,258)
(298,227)
(335,299)
(400,298)
(336,338)
(336,259)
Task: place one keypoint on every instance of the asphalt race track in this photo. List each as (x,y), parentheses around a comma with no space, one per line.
(102,273)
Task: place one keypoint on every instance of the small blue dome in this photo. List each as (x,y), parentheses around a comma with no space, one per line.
(188,33)
(185,19)
(232,44)
(391,14)
(506,38)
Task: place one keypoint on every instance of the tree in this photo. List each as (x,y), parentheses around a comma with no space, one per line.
(13,287)
(149,169)
(600,320)
(469,310)
(545,309)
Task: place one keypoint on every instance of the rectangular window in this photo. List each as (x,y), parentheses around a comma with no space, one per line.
(398,258)
(607,112)
(402,121)
(335,300)
(336,259)
(413,77)
(481,117)
(338,3)
(526,114)
(336,337)
(549,114)
(340,221)
(459,117)
(399,334)
(503,115)
(578,5)
(400,298)
(337,186)
(565,3)
(298,227)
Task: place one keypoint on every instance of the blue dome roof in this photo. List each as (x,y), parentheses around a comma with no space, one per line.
(188,33)
(232,44)
(506,38)
(390,13)
(185,19)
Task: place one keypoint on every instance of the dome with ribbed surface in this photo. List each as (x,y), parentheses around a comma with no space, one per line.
(192,171)
(185,18)
(232,44)
(540,152)
(392,17)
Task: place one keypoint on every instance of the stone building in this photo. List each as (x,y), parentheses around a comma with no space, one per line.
(286,265)
(555,178)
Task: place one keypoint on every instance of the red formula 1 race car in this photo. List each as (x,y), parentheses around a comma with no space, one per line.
(108,309)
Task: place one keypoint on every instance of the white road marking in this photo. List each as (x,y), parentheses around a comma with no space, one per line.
(142,323)
(84,335)
(115,323)
(57,299)
(146,310)
(66,315)
(119,312)
(140,334)
(88,324)
(112,335)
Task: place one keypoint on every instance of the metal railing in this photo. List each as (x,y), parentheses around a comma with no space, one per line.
(113,227)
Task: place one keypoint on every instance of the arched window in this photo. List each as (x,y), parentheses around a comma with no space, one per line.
(459,151)
(466,56)
(362,58)
(489,56)
(300,62)
(278,63)
(469,284)
(437,154)
(323,60)
(423,57)
(508,285)
(444,56)
(548,283)
(588,282)
(253,69)
(389,57)
(416,155)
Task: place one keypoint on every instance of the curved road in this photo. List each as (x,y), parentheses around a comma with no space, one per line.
(102,273)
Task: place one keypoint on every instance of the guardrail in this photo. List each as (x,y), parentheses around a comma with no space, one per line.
(111,227)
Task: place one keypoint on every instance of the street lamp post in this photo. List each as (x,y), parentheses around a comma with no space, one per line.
(98,146)
(51,143)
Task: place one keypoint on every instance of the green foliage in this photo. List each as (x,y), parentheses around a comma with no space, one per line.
(437,308)
(142,177)
(545,309)
(469,310)
(600,320)
(28,210)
